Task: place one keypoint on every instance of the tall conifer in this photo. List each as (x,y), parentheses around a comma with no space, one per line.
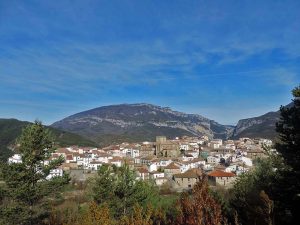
(26,187)
(288,146)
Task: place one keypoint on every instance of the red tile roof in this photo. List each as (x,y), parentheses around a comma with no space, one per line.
(219,173)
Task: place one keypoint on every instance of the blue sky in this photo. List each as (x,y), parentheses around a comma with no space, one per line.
(225,60)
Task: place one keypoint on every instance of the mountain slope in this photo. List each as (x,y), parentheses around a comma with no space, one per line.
(261,126)
(10,129)
(139,122)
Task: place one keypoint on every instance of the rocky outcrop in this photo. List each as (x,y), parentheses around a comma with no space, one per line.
(261,126)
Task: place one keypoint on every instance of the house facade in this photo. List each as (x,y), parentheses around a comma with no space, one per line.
(186,180)
(221,178)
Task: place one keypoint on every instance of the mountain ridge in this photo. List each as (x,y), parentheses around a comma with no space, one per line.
(143,121)
(259,126)
(126,119)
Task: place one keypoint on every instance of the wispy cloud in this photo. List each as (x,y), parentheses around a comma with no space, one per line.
(102,51)
(85,68)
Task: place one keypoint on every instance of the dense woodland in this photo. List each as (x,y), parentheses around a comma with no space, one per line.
(267,195)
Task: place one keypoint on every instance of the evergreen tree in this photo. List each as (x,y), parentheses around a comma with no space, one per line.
(26,190)
(104,185)
(120,190)
(246,196)
(288,128)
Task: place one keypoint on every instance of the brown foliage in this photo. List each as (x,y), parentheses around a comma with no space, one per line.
(200,207)
(138,217)
(71,215)
(96,215)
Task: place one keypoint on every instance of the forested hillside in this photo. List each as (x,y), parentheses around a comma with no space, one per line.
(10,129)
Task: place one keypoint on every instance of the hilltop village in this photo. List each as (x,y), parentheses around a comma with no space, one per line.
(174,164)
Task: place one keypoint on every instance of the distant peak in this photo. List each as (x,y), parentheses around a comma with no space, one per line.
(141,104)
(149,105)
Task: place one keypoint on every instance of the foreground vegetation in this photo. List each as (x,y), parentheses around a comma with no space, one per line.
(267,195)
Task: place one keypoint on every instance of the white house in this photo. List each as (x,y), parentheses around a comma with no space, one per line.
(216,143)
(142,174)
(184,146)
(133,153)
(266,142)
(193,153)
(230,146)
(207,167)
(117,161)
(103,157)
(213,160)
(193,144)
(164,162)
(247,161)
(199,162)
(153,166)
(94,165)
(186,158)
(160,181)
(58,172)
(137,160)
(86,161)
(231,168)
(156,174)
(16,158)
(184,166)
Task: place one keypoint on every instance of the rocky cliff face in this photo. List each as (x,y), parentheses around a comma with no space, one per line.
(258,127)
(261,126)
(140,121)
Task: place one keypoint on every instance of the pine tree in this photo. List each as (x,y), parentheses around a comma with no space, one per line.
(288,128)
(104,185)
(26,190)
(120,190)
